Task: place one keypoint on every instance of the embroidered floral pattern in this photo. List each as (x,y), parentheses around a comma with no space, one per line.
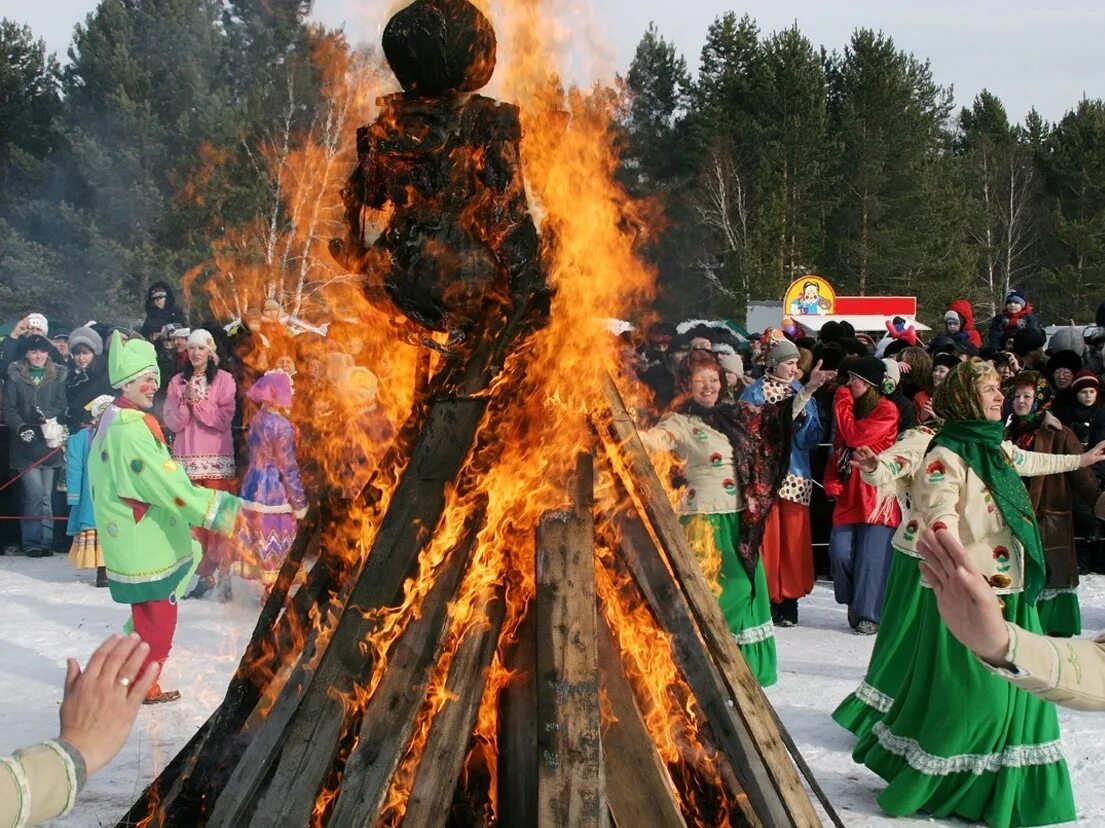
(1017,756)
(715,459)
(208,466)
(936,472)
(910,531)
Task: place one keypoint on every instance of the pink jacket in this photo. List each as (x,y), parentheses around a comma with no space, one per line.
(203,442)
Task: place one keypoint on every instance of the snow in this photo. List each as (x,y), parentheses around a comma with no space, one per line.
(49,611)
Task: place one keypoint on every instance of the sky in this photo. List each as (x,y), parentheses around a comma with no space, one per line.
(1027,52)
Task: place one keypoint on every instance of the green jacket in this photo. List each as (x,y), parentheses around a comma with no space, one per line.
(146,507)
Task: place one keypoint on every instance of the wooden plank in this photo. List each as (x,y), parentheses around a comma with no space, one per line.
(518,731)
(638,787)
(570,783)
(443,755)
(297,743)
(688,609)
(390,715)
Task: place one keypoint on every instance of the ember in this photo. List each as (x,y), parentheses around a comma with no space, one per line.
(446,660)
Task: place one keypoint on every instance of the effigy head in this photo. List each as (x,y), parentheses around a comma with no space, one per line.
(436,47)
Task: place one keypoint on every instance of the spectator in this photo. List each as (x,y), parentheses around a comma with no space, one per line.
(98,708)
(1028,346)
(60,341)
(787,544)
(959,323)
(33,396)
(33,324)
(85,551)
(1017,316)
(892,390)
(272,480)
(199,410)
(87,378)
(859,543)
(915,366)
(161,311)
(1032,428)
(1087,406)
(1061,369)
(365,428)
(942,364)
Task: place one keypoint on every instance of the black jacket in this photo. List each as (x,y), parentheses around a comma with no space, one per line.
(81,388)
(26,407)
(158,318)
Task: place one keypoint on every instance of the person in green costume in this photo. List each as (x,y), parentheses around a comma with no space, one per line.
(958,740)
(1033,428)
(145,505)
(728,488)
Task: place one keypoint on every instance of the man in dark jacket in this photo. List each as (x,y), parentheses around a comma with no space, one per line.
(34,393)
(161,310)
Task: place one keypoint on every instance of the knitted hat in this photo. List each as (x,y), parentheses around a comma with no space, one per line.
(1016,296)
(953,316)
(893,376)
(1068,339)
(88,338)
(781,351)
(159,293)
(130,359)
(870,369)
(180,332)
(1085,379)
(731,363)
(37,322)
(274,388)
(35,342)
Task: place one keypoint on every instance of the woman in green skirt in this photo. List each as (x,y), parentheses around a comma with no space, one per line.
(957,740)
(706,438)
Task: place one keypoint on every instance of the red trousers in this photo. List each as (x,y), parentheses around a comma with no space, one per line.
(788,551)
(216,550)
(155,623)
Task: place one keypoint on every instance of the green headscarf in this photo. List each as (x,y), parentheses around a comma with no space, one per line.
(977,440)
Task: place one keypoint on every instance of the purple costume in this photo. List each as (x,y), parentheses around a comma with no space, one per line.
(272,481)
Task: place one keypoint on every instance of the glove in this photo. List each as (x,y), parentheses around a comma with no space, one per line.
(27,435)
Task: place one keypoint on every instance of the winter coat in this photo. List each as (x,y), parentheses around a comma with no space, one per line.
(807,434)
(857,501)
(1067,672)
(27,406)
(1082,419)
(1051,497)
(1004,325)
(967,332)
(78,488)
(203,443)
(158,318)
(81,388)
(707,458)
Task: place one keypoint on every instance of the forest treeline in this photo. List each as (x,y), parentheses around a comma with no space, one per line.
(162,134)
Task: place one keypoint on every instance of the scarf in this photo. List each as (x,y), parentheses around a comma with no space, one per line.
(1023,429)
(760,436)
(978,442)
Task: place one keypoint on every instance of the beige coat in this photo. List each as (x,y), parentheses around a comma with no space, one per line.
(36,784)
(947,491)
(1066,671)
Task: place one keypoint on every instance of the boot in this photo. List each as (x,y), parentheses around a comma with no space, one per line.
(788,613)
(155,695)
(203,586)
(101,576)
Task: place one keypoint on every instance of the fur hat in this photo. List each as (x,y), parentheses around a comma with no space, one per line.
(1027,340)
(945,359)
(37,322)
(1064,359)
(871,370)
(88,338)
(130,359)
(35,342)
(1016,296)
(781,351)
(1085,379)
(274,388)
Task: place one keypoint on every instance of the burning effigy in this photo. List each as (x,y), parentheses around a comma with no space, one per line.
(505,625)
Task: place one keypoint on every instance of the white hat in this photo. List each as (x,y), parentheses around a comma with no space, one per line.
(38,322)
(185,332)
(201,337)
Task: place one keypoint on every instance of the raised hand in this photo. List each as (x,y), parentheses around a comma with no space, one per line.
(1094,455)
(865,460)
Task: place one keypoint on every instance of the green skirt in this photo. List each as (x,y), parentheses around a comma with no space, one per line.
(960,741)
(893,653)
(1060,614)
(746,606)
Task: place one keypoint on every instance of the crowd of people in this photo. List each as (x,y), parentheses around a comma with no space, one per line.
(995,442)
(189,440)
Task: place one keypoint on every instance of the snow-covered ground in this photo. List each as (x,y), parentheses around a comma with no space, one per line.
(49,611)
